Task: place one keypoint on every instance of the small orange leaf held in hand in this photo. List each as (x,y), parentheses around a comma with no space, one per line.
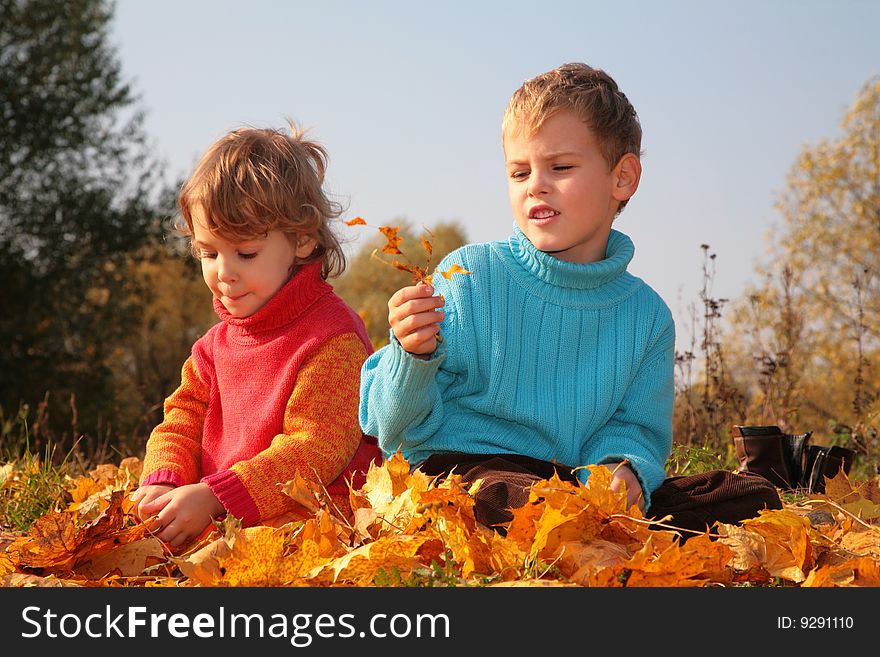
(394,240)
(420,274)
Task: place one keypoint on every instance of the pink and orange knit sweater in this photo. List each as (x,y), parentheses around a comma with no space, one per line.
(265,397)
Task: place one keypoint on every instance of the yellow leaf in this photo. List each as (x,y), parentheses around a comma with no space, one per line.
(861,541)
(361,565)
(258,558)
(579,561)
(861,571)
(127,560)
(839,489)
(305,492)
(22,580)
(777,541)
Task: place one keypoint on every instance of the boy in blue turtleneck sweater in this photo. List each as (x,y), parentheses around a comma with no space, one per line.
(552,355)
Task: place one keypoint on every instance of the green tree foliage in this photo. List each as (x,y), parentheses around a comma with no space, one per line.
(369,280)
(813,324)
(77,198)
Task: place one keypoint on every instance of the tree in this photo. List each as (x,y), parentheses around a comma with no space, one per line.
(77,197)
(820,296)
(146,365)
(369,280)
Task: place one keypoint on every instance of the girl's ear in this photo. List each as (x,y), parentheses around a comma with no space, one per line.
(305,246)
(627,174)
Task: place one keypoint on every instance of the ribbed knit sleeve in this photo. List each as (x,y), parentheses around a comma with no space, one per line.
(400,400)
(173,452)
(320,435)
(640,429)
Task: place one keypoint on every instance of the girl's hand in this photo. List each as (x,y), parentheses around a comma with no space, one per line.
(145,495)
(414,318)
(622,474)
(182,513)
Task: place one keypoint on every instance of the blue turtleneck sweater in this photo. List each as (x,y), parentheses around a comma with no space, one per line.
(559,361)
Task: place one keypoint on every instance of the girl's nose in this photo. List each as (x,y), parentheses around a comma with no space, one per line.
(225,269)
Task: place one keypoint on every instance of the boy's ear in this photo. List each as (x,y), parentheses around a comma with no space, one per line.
(627,174)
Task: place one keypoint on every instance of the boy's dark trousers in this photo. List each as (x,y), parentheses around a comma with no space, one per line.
(507,479)
(693,502)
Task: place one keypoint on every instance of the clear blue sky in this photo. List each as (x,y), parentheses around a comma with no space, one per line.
(408,97)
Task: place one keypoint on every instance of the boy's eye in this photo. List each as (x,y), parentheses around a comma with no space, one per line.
(563,167)
(247,256)
(519,175)
(207,254)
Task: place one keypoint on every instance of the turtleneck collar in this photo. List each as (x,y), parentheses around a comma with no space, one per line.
(560,273)
(303,289)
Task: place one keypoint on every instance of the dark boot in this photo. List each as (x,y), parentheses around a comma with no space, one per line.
(761,450)
(823,463)
(795,447)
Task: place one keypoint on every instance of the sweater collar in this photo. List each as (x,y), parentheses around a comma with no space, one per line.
(618,254)
(303,289)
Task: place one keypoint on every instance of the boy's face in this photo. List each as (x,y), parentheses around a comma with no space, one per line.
(562,194)
(244,276)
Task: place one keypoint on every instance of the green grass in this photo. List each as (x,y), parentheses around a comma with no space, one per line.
(33,488)
(30,486)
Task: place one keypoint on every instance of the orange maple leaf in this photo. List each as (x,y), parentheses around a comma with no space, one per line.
(394,240)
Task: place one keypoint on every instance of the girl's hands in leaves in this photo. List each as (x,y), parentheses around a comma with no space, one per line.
(414,318)
(145,495)
(622,474)
(182,513)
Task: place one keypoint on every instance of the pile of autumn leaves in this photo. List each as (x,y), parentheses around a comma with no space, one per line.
(408,529)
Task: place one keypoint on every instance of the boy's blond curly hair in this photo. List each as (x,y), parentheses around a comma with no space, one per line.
(255,180)
(592,95)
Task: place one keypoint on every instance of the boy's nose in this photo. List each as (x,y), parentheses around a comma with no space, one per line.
(537,184)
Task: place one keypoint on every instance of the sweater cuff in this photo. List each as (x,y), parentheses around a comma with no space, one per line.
(411,372)
(649,475)
(233,495)
(163,478)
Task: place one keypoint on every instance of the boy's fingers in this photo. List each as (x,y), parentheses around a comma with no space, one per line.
(416,321)
(410,292)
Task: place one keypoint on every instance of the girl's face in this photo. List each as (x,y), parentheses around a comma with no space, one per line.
(244,276)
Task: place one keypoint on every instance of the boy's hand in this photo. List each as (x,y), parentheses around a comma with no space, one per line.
(414,319)
(623,474)
(182,513)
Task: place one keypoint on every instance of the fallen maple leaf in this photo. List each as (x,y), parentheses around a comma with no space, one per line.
(777,541)
(257,556)
(862,571)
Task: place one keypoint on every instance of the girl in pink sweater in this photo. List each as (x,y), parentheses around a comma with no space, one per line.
(273,388)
